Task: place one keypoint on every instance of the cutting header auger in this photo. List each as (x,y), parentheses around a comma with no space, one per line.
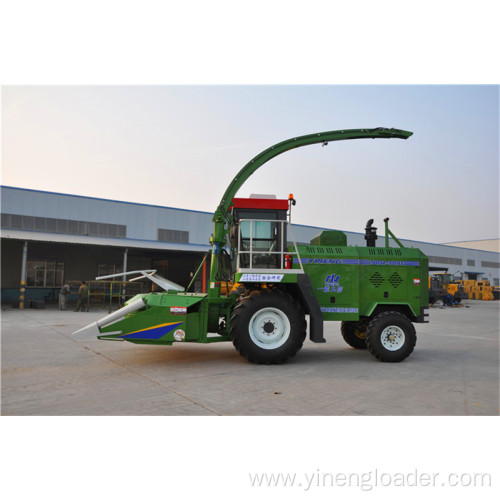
(263,285)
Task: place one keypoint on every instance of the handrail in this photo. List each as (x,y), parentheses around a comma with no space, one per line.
(250,252)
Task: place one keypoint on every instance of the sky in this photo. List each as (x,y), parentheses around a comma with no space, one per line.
(181,145)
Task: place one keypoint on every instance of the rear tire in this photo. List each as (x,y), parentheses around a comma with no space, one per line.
(354,333)
(268,327)
(390,337)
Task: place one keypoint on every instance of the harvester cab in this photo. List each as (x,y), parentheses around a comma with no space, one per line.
(263,285)
(259,233)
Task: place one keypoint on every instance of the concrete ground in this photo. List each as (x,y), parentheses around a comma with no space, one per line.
(454,370)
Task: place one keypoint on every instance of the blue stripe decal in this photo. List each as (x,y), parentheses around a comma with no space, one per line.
(359,262)
(339,309)
(152,333)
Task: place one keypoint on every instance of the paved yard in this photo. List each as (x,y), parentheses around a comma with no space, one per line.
(454,370)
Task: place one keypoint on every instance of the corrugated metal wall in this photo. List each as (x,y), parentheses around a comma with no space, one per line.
(142,221)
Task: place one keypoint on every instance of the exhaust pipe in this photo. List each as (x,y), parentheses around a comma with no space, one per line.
(370,234)
(90,332)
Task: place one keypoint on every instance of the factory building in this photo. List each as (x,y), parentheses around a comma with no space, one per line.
(52,238)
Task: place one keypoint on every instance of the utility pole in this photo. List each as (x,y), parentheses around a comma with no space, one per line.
(23,276)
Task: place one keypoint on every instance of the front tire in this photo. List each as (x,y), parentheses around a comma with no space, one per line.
(390,337)
(268,327)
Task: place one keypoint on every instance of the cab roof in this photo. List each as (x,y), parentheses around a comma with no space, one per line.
(260,203)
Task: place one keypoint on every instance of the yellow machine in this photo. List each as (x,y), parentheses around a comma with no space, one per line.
(441,284)
(478,290)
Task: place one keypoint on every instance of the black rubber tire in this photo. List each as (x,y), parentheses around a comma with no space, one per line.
(378,337)
(354,333)
(247,345)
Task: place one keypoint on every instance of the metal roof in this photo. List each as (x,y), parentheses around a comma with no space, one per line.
(108,242)
(94,198)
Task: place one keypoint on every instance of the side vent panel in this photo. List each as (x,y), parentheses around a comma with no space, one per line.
(395,280)
(376,280)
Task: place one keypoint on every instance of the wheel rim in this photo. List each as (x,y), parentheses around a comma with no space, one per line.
(269,328)
(361,335)
(392,338)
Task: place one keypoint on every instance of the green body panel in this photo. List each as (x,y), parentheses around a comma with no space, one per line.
(350,282)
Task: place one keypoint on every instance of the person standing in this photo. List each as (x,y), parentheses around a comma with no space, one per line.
(63,295)
(82,297)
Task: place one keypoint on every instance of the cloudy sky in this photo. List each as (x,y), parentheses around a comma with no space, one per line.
(180,146)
